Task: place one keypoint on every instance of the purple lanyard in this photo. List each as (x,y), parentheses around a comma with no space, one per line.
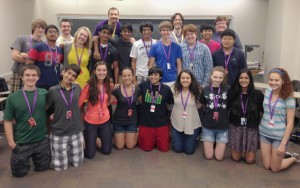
(101,97)
(227,60)
(146,47)
(216,99)
(218,38)
(244,107)
(156,94)
(103,56)
(64,97)
(191,52)
(30,43)
(272,109)
(53,59)
(186,100)
(169,53)
(129,99)
(27,102)
(78,59)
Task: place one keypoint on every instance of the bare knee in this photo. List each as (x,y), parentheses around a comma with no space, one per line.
(235,158)
(250,161)
(275,169)
(219,158)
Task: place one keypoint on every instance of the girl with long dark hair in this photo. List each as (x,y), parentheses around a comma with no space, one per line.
(245,110)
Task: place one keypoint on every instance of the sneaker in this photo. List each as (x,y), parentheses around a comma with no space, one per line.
(296,155)
(287,155)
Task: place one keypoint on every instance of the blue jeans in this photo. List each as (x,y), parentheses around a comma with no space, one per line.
(183,142)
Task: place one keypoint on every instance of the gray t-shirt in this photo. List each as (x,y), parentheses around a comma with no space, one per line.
(23,44)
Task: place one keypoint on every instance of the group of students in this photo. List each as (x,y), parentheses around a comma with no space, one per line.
(177,80)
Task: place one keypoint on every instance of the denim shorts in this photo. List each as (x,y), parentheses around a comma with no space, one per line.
(271,141)
(219,136)
(122,128)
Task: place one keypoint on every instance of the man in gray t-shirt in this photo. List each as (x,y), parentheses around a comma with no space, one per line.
(20,49)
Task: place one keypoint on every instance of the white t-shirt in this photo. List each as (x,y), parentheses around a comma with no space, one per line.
(60,40)
(139,52)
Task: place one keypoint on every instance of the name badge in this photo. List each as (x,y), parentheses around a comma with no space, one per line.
(152,108)
(101,113)
(69,114)
(168,65)
(184,115)
(31,122)
(271,123)
(129,112)
(216,116)
(243,121)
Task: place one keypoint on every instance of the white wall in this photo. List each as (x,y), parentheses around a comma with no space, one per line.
(15,18)
(249,16)
(283,37)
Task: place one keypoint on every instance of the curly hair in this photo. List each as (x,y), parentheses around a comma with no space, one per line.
(286,90)
(93,85)
(194,87)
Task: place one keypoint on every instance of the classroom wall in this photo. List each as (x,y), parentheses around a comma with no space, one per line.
(15,18)
(249,16)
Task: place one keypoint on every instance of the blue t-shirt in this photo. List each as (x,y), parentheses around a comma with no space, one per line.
(157,51)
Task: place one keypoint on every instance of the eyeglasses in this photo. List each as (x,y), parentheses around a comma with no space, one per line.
(221,23)
(52,32)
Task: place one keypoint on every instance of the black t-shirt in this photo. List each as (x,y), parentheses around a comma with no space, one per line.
(252,115)
(160,116)
(124,49)
(207,99)
(112,55)
(121,113)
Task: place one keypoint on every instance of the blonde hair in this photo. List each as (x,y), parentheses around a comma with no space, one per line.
(165,24)
(222,70)
(88,43)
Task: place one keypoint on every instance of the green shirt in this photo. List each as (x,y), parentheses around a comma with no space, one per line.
(16,109)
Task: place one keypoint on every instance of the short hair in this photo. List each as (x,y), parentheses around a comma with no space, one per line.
(49,27)
(165,24)
(190,28)
(222,18)
(31,67)
(38,22)
(146,24)
(65,20)
(127,26)
(112,8)
(228,32)
(174,16)
(155,70)
(88,42)
(73,67)
(207,27)
(106,27)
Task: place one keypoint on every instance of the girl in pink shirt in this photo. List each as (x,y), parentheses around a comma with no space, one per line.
(96,120)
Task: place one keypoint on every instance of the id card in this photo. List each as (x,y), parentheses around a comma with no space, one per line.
(216,116)
(271,123)
(129,112)
(184,115)
(243,121)
(191,65)
(152,108)
(31,122)
(101,113)
(69,114)
(168,65)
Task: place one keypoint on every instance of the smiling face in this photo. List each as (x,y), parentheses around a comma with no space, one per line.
(177,22)
(82,36)
(65,28)
(126,34)
(101,72)
(221,26)
(227,42)
(146,33)
(275,81)
(190,37)
(165,33)
(127,76)
(207,34)
(39,31)
(154,78)
(217,78)
(69,76)
(113,16)
(30,77)
(185,80)
(244,80)
(104,35)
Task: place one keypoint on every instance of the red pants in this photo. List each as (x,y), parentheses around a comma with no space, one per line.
(152,136)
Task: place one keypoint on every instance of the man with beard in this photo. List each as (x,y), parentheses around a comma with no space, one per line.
(177,34)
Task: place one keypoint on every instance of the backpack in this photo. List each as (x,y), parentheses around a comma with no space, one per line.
(3,85)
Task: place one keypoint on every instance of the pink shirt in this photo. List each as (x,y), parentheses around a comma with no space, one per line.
(212,45)
(93,113)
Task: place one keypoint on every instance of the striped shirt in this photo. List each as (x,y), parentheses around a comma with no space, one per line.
(279,117)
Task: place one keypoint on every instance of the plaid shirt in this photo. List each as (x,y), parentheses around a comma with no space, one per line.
(200,59)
